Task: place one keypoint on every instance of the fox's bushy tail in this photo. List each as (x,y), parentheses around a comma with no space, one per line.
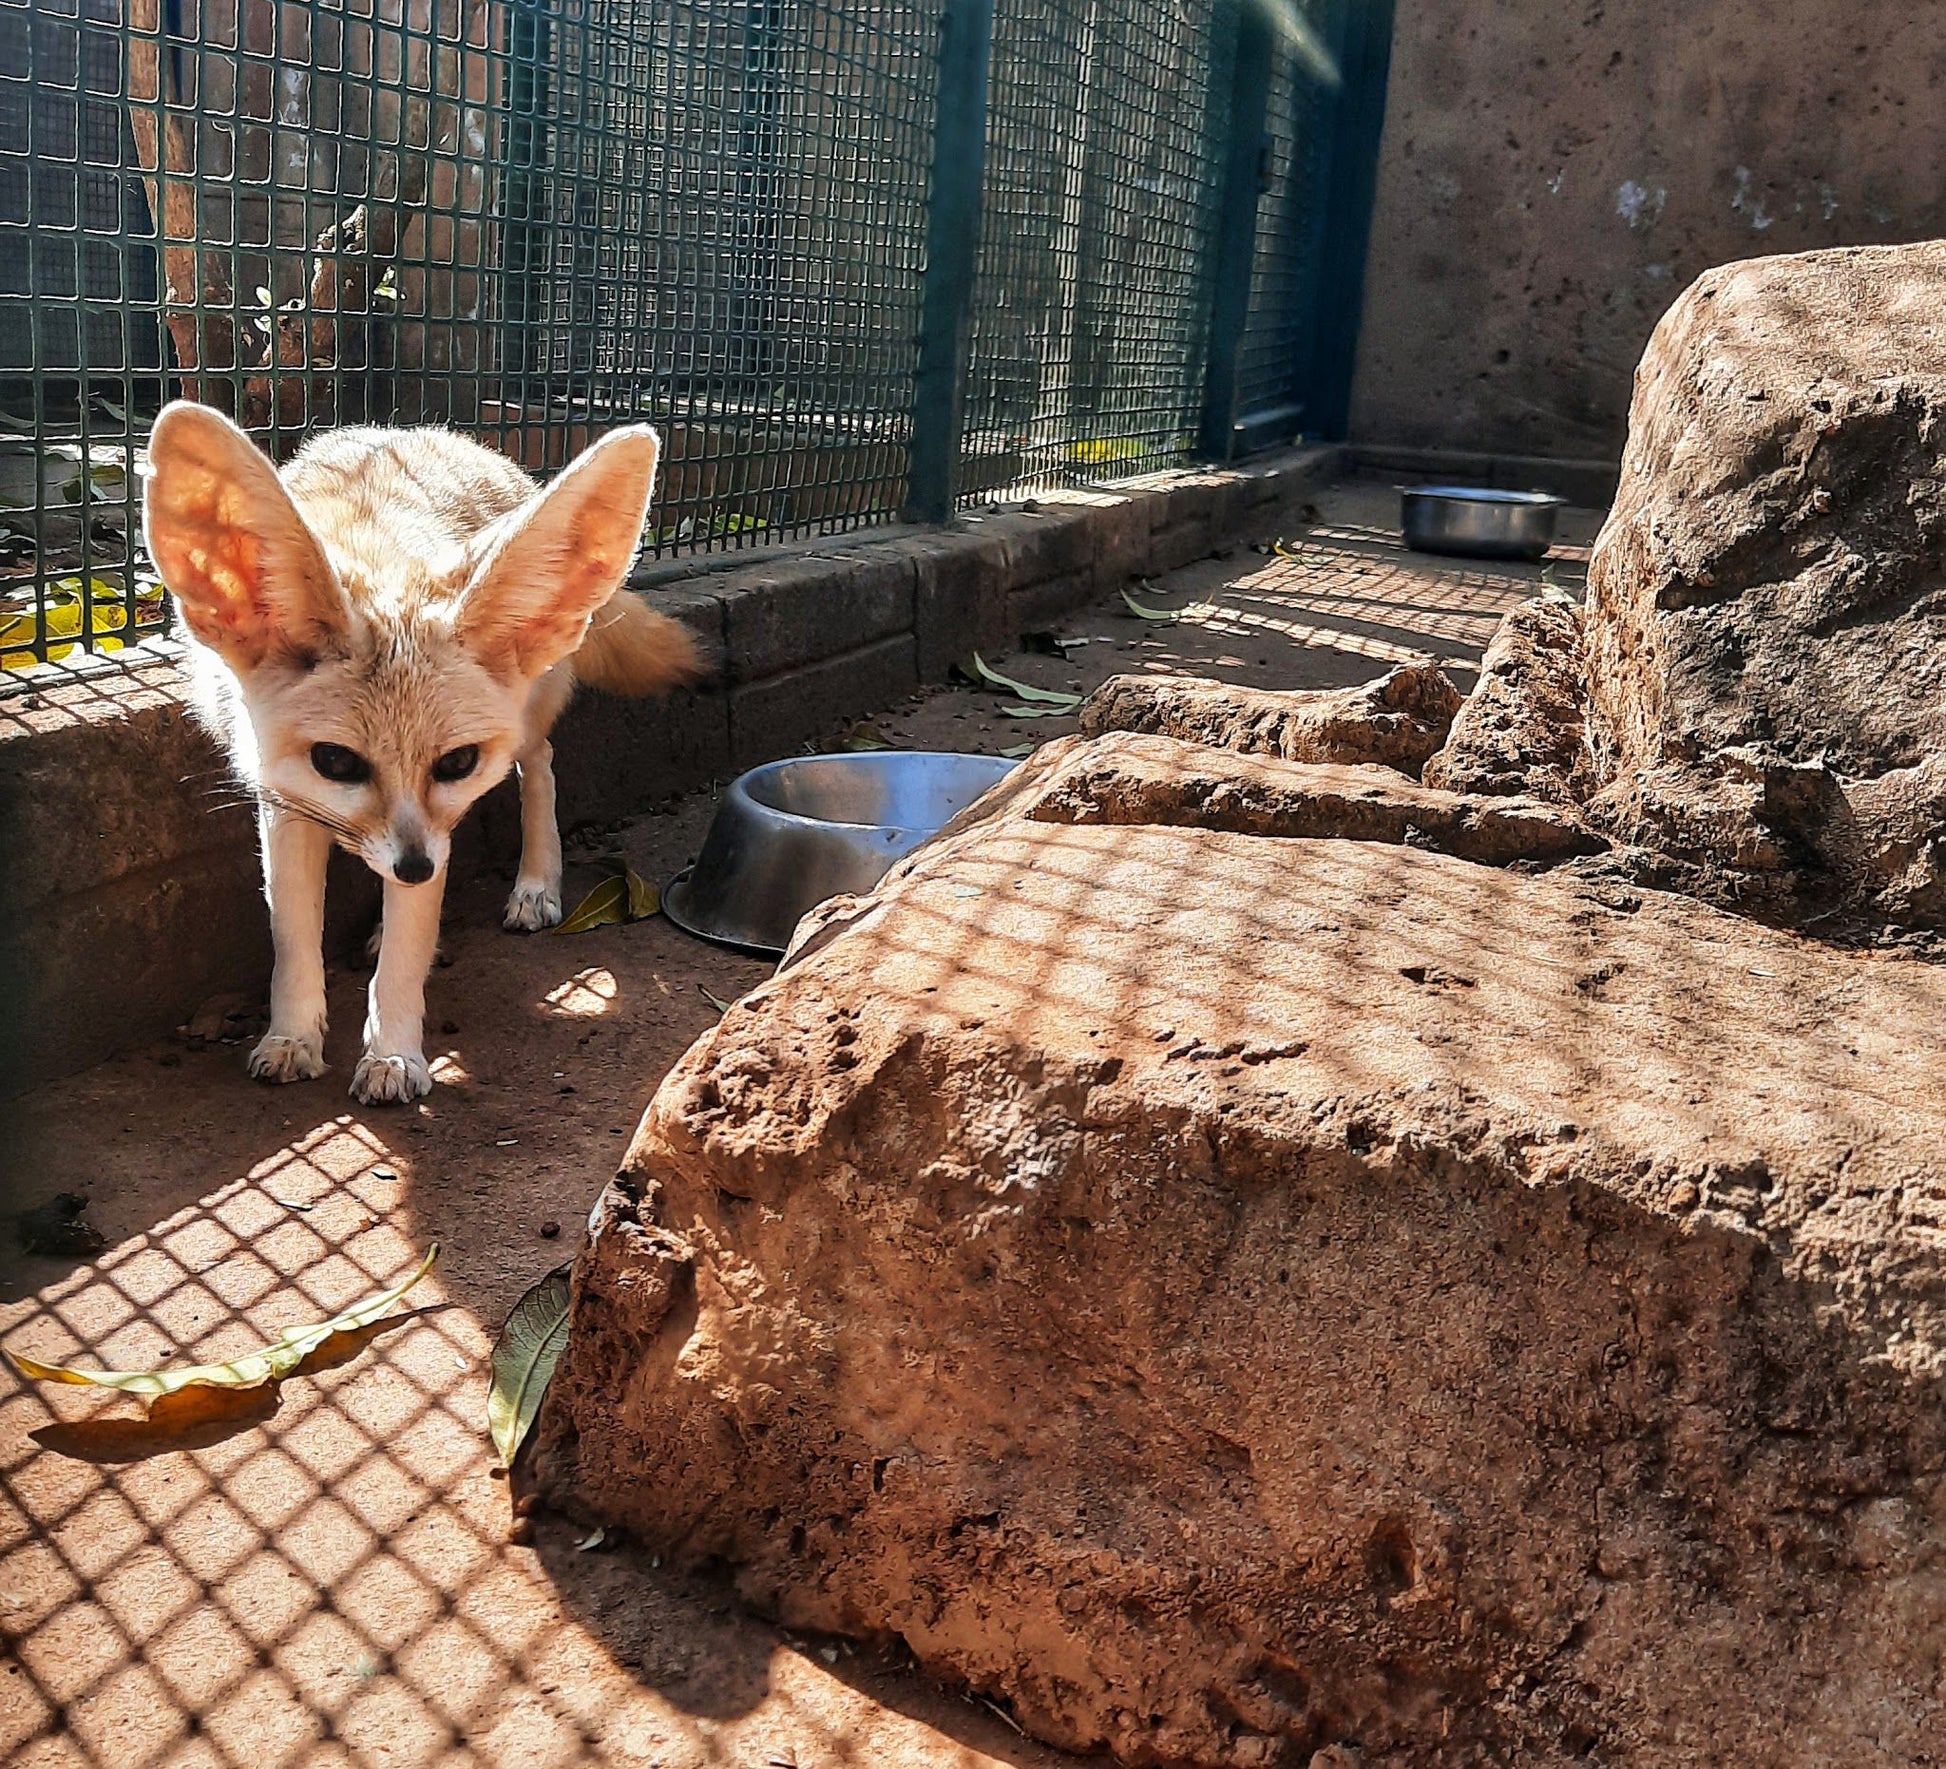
(631,649)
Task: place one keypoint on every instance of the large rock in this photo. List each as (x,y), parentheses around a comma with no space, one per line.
(1396,721)
(1520,730)
(1236,1299)
(1766,624)
(1128,777)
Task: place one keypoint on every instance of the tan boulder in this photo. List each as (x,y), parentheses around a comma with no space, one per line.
(1236,1299)
(1397,721)
(1766,617)
(1130,778)
(1520,730)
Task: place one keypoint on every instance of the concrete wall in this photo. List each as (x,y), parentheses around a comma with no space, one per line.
(1552,176)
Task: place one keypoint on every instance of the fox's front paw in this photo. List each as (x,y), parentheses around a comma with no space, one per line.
(281,1058)
(382,1080)
(534,905)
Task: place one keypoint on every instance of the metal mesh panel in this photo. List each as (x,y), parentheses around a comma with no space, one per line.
(1091,301)
(1273,360)
(536,219)
(533,219)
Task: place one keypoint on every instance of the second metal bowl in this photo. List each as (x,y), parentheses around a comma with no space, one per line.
(792,833)
(1483,524)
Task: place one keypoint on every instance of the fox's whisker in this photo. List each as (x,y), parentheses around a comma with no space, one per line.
(314,812)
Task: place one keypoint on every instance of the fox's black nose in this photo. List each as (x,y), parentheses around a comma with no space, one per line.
(414,866)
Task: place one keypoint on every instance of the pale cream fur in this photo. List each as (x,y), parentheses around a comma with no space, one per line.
(402,595)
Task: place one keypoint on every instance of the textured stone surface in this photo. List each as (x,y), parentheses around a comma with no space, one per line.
(1233,1299)
(1520,730)
(1552,176)
(1398,721)
(799,611)
(776,717)
(1772,569)
(1130,778)
(1767,603)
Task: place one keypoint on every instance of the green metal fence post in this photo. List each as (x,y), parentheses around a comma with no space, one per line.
(1242,121)
(1362,42)
(952,252)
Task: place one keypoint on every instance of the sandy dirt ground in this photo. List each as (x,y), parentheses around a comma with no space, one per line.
(328,1570)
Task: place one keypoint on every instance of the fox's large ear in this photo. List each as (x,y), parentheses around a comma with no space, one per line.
(252,581)
(550,564)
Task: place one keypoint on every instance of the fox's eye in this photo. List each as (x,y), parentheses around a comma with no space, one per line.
(335,762)
(456,764)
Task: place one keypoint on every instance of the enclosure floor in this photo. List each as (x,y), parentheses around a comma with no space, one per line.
(322,1572)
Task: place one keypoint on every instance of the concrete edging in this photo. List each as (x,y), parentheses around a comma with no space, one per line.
(133,892)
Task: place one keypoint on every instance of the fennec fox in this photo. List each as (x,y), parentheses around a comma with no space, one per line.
(379,634)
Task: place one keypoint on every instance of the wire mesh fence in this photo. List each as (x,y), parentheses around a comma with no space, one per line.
(1276,339)
(1091,298)
(536,219)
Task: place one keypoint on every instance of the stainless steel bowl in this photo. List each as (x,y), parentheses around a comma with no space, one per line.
(792,833)
(1480,523)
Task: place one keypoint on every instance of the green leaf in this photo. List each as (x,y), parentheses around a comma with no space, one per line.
(1054,697)
(1014,751)
(107,479)
(715,1001)
(273,1363)
(524,1357)
(1163,616)
(1038,712)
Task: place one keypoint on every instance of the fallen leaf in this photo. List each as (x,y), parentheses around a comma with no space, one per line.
(293,1345)
(592,1541)
(1014,751)
(1162,616)
(643,898)
(1058,698)
(866,737)
(715,1001)
(70,614)
(524,1357)
(619,899)
(1038,712)
(605,906)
